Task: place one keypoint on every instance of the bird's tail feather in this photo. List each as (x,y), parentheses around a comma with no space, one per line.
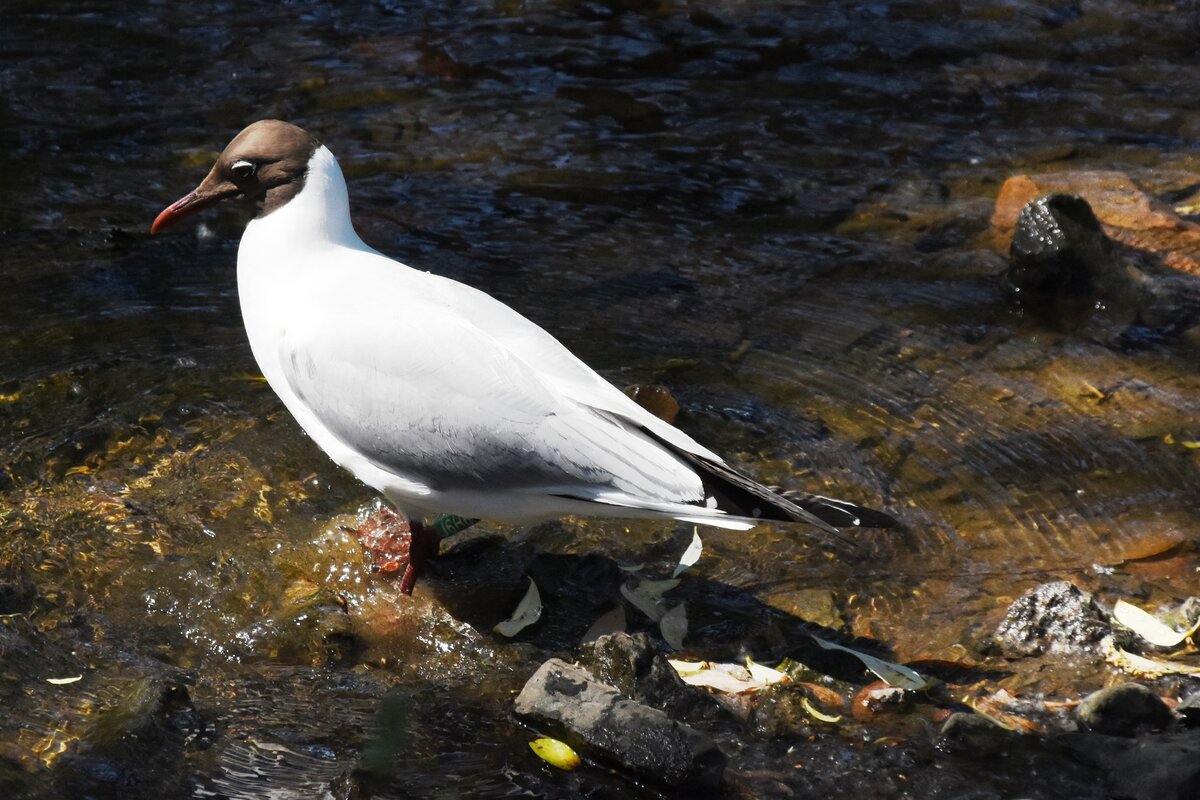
(740,496)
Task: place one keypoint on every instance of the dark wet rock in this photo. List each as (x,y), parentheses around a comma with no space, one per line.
(1055,617)
(17,591)
(1061,257)
(1189,707)
(777,712)
(135,741)
(1128,214)
(635,666)
(974,734)
(469,542)
(1124,710)
(1088,240)
(1186,614)
(575,590)
(567,702)
(1165,767)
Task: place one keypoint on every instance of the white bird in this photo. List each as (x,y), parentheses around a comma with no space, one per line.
(437,395)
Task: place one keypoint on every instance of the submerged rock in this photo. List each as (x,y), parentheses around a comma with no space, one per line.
(634,666)
(595,718)
(1124,710)
(655,399)
(778,712)
(1055,617)
(1189,707)
(1163,767)
(974,734)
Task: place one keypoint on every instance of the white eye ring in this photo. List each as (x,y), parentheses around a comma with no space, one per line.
(242,169)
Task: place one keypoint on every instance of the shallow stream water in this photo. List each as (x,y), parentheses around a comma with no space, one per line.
(780,211)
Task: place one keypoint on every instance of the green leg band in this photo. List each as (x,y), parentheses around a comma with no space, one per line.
(450,524)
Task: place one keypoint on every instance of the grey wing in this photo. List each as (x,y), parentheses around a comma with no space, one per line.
(428,396)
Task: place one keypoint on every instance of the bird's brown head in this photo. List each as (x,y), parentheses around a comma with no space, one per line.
(264,166)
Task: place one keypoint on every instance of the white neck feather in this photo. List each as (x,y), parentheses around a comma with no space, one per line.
(320,212)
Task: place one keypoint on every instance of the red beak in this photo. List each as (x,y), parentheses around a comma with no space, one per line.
(210,191)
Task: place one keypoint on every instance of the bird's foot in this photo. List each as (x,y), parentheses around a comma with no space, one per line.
(397,546)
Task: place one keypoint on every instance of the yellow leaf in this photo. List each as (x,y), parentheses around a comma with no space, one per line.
(556,753)
(815,714)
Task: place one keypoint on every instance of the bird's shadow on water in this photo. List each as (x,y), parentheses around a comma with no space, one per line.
(481,583)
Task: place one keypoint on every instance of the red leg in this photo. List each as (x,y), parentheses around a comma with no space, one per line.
(422,545)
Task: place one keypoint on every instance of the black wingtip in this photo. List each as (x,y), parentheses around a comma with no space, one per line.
(841,514)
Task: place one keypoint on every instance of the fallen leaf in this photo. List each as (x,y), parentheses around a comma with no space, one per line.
(646,595)
(815,714)
(993,710)
(1140,665)
(691,555)
(728,678)
(64,681)
(555,753)
(822,694)
(765,675)
(674,626)
(528,611)
(1149,628)
(685,668)
(892,674)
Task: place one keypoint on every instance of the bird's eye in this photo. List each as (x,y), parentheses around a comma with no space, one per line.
(242,169)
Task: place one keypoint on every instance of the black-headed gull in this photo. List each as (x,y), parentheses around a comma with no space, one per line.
(436,394)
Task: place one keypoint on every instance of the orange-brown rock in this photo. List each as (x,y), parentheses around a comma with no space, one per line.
(1128,214)
(655,399)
